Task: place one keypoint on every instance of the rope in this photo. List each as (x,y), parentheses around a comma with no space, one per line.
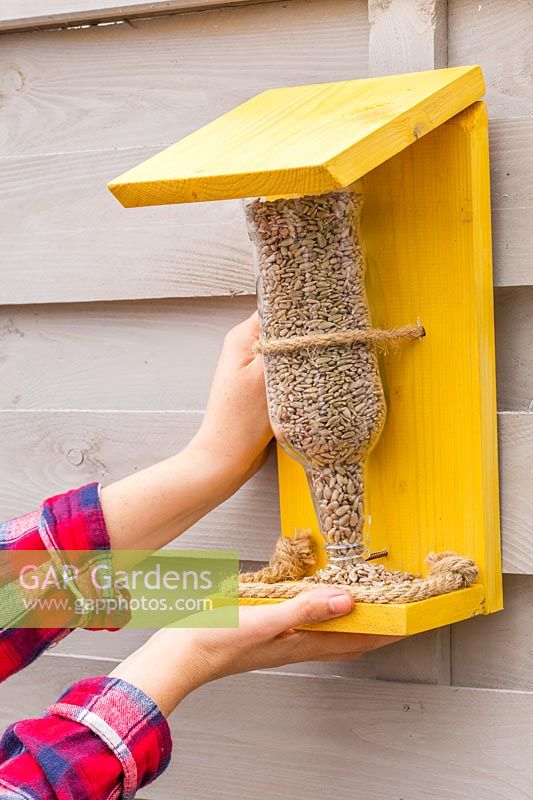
(448,572)
(290,561)
(383,339)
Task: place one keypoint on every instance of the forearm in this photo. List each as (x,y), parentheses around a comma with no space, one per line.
(175,661)
(148,509)
(164,668)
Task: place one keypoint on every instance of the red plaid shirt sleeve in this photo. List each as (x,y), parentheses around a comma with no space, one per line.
(104,738)
(70,521)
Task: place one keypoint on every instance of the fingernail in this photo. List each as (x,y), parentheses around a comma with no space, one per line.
(340,604)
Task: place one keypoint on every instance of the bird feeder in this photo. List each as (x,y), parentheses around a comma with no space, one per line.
(368,207)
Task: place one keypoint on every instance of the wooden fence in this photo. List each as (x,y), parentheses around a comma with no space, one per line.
(110,325)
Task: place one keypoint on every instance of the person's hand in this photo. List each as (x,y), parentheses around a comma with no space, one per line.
(236,429)
(176,661)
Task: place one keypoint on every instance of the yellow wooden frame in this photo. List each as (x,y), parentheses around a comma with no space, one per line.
(432,479)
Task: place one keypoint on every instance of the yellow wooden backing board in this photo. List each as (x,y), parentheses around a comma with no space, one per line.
(301,139)
(432,479)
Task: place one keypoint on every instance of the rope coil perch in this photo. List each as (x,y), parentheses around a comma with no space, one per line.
(284,578)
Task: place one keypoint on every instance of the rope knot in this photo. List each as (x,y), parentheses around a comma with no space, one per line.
(450,565)
(292,557)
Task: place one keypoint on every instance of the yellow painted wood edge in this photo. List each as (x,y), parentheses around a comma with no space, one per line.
(404,129)
(399,619)
(336,172)
(133,193)
(475,121)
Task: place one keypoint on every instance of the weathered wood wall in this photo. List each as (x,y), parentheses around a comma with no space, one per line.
(96,302)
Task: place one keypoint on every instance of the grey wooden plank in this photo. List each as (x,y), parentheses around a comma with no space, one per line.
(132,355)
(79,244)
(498,35)
(516,482)
(64,244)
(511,199)
(148,82)
(514,347)
(41,451)
(41,454)
(511,170)
(34,14)
(511,246)
(424,658)
(407,36)
(315,737)
(126,356)
(497,652)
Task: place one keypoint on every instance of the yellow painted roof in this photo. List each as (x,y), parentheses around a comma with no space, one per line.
(301,139)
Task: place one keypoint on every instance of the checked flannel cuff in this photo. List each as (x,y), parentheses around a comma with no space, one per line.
(126,720)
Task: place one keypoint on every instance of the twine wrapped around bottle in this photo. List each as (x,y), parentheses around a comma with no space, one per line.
(384,340)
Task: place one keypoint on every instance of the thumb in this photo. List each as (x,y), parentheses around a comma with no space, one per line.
(310,606)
